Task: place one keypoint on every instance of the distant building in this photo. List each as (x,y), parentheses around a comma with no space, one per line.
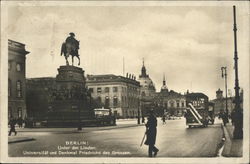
(147,85)
(147,91)
(169,101)
(220,102)
(16,79)
(120,94)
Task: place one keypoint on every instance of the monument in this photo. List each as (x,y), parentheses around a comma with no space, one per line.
(70,104)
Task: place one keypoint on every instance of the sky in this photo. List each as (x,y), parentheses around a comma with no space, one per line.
(187,44)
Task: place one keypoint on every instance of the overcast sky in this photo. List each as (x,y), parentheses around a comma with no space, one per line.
(188,44)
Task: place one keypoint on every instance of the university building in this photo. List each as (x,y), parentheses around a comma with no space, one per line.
(16,80)
(120,94)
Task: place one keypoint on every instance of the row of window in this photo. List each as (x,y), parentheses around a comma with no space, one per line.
(18,88)
(107,101)
(106,89)
(19,67)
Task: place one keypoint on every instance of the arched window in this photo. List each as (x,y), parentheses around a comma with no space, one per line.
(18,67)
(182,104)
(106,102)
(115,101)
(172,103)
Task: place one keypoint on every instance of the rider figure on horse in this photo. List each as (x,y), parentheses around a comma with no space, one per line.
(70,47)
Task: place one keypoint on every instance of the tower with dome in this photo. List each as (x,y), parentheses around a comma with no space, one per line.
(147,85)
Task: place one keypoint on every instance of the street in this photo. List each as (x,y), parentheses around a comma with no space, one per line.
(173,140)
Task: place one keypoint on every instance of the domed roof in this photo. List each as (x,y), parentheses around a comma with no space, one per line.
(146,82)
(144,79)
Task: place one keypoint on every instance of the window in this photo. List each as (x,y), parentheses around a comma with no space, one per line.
(18,67)
(107,102)
(107,90)
(115,101)
(91,90)
(9,112)
(20,112)
(19,88)
(99,100)
(172,104)
(99,90)
(182,104)
(115,89)
(9,87)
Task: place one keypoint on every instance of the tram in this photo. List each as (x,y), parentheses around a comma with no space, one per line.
(197,112)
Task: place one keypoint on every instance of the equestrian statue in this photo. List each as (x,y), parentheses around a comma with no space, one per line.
(70,47)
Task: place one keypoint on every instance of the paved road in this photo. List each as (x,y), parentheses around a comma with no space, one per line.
(173,140)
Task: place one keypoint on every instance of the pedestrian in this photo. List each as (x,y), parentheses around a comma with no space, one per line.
(151,134)
(163,119)
(223,116)
(143,119)
(12,124)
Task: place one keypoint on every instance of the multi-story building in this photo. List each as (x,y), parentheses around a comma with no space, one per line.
(220,102)
(16,79)
(120,94)
(169,101)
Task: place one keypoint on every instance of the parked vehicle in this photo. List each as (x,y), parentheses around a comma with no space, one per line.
(104,116)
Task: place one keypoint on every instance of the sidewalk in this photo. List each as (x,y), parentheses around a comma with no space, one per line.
(15,139)
(232,147)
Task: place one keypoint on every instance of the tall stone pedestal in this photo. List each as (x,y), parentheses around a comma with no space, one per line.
(69,105)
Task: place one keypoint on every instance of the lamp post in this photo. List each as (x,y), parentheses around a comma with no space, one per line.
(238,116)
(138,119)
(224,74)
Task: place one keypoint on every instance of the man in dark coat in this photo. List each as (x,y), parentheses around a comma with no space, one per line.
(223,116)
(12,124)
(151,134)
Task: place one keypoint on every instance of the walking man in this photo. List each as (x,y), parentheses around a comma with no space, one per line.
(151,134)
(12,124)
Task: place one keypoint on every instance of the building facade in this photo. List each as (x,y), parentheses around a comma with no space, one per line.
(220,102)
(169,101)
(120,94)
(16,79)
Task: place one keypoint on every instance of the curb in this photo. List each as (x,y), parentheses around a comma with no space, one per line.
(21,140)
(228,143)
(112,127)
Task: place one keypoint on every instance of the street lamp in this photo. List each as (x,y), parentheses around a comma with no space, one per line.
(238,116)
(138,119)
(224,74)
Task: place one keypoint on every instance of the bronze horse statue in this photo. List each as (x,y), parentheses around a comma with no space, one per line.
(70,48)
